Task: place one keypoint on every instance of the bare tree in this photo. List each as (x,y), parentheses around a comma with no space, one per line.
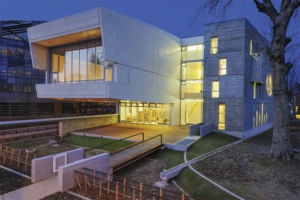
(280,18)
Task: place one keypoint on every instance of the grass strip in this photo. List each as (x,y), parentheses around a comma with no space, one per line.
(92,142)
(209,143)
(198,187)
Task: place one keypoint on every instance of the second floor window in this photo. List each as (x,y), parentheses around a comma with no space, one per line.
(215,89)
(222,66)
(214,45)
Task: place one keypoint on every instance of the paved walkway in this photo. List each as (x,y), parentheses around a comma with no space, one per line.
(34,191)
(171,134)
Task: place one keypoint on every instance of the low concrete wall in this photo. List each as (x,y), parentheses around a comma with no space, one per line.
(176,147)
(206,129)
(194,129)
(66,172)
(256,131)
(42,168)
(78,123)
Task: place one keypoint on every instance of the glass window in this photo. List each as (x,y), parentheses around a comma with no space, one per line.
(222,66)
(99,66)
(27,88)
(183,53)
(91,63)
(269,84)
(108,74)
(75,72)
(83,64)
(222,116)
(194,86)
(214,45)
(54,62)
(195,70)
(215,89)
(61,67)
(195,52)
(68,66)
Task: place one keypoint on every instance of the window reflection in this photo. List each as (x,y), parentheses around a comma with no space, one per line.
(79,64)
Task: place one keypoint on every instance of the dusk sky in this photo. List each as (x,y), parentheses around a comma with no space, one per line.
(173,16)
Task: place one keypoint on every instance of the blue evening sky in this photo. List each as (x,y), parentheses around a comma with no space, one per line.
(173,16)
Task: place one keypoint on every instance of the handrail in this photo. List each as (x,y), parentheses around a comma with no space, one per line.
(115,141)
(21,130)
(137,143)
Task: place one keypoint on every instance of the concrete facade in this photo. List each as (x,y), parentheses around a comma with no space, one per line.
(236,88)
(42,168)
(66,172)
(147,66)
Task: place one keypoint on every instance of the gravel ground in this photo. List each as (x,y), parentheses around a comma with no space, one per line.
(10,181)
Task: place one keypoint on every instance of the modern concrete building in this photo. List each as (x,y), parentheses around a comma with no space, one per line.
(155,77)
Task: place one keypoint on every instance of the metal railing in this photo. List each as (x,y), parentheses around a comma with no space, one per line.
(12,135)
(115,141)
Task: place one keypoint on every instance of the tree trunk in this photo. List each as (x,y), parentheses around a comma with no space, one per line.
(281,146)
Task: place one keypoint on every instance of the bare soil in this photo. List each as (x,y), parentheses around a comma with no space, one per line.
(246,170)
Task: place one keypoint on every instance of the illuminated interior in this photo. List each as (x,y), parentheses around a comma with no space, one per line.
(215,89)
(192,84)
(222,116)
(222,66)
(269,84)
(144,113)
(72,38)
(214,45)
(79,62)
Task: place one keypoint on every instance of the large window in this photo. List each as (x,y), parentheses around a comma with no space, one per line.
(214,45)
(215,89)
(222,66)
(194,52)
(222,116)
(79,62)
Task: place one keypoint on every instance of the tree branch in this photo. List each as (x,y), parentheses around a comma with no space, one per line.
(268,8)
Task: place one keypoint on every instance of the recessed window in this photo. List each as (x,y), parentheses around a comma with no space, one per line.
(222,66)
(269,84)
(215,89)
(222,116)
(214,45)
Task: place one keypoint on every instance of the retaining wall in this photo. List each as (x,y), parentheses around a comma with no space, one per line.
(206,129)
(42,168)
(66,172)
(73,124)
(194,129)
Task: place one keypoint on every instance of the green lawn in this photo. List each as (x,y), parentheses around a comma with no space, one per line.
(209,143)
(30,143)
(173,157)
(92,142)
(198,187)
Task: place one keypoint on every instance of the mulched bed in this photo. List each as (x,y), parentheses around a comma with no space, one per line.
(61,195)
(10,181)
(248,164)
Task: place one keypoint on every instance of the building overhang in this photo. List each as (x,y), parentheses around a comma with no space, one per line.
(71,38)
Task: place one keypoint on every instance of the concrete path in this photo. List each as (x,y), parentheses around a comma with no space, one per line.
(34,191)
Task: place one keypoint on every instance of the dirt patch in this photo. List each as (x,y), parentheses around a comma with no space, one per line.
(11,181)
(246,170)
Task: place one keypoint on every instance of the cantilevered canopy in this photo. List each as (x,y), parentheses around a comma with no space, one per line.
(71,38)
